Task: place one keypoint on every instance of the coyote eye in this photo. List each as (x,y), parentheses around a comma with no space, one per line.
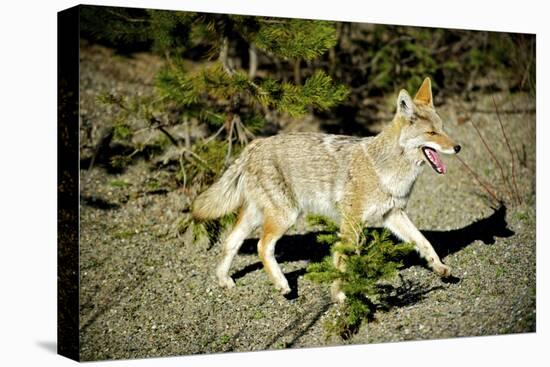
(431,133)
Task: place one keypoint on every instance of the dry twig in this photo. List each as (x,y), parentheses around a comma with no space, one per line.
(480,182)
(518,196)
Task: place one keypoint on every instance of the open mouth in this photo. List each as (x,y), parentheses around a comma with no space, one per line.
(433,157)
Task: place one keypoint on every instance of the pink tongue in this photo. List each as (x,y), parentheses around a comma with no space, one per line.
(434,158)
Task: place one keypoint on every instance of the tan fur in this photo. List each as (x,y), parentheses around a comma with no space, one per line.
(349,179)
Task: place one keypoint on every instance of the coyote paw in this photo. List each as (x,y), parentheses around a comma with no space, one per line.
(226,282)
(336,293)
(442,270)
(339,297)
(285,289)
(282,286)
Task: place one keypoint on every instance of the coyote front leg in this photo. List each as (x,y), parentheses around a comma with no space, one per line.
(350,229)
(399,223)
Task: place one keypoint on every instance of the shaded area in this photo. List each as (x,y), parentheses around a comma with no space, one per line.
(349,119)
(406,294)
(104,299)
(485,229)
(449,242)
(114,157)
(289,248)
(48,345)
(292,278)
(98,203)
(298,327)
(305,247)
(292,248)
(91,311)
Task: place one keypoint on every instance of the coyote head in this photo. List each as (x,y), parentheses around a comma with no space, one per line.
(421,129)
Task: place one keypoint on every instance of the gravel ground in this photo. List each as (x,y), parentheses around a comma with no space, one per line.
(147,292)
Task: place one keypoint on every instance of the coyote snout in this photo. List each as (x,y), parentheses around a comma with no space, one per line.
(352,180)
(432,157)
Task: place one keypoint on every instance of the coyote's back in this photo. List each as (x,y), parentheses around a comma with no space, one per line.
(304,170)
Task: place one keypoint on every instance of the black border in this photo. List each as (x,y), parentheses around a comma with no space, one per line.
(68,40)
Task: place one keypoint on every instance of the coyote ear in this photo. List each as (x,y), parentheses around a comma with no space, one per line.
(405,105)
(424,94)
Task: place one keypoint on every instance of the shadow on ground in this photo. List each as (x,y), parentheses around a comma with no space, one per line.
(98,203)
(304,246)
(48,345)
(485,230)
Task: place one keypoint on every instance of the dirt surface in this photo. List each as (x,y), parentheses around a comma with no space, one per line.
(147,291)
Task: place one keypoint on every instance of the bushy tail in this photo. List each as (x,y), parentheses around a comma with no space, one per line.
(224,196)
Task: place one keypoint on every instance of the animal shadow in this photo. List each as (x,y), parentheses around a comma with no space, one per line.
(485,230)
(305,247)
(98,203)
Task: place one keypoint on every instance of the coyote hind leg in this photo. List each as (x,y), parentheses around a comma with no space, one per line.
(249,218)
(276,223)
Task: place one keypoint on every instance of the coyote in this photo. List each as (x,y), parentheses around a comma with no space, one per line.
(351,180)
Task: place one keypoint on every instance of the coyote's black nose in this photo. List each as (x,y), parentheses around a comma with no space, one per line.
(457,148)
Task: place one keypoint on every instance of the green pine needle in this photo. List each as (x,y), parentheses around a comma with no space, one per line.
(295,39)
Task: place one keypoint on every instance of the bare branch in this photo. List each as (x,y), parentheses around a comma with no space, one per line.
(511,111)
(504,177)
(230,140)
(199,159)
(128,19)
(481,183)
(183,155)
(253,61)
(297,72)
(213,136)
(224,56)
(168,135)
(511,152)
(187,132)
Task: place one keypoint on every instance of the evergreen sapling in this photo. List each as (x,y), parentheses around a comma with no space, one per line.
(373,259)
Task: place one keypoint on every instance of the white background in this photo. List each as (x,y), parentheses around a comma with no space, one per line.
(28,181)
